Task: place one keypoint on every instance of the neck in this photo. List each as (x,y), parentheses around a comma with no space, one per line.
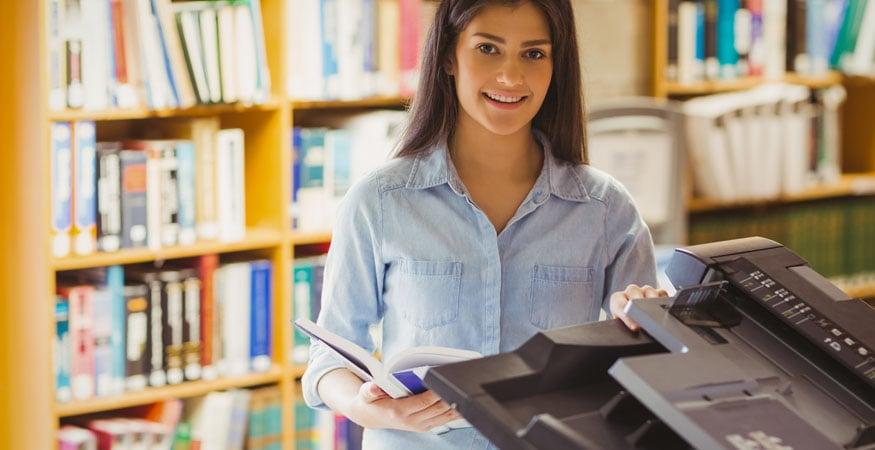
(482,156)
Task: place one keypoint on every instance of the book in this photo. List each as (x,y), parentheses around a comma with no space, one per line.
(399,376)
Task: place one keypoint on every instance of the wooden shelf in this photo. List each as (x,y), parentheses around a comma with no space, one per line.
(152,395)
(849,185)
(145,113)
(717,86)
(297,371)
(310,238)
(255,239)
(374,102)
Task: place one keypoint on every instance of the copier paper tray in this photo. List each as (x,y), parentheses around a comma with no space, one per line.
(756,351)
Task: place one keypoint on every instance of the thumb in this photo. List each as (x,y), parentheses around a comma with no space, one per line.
(370,392)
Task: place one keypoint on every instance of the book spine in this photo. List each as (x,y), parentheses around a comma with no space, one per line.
(302,290)
(757,51)
(220,299)
(409,45)
(209,39)
(261,316)
(109,214)
(231,184)
(134,198)
(57,57)
(189,32)
(84,189)
(136,336)
(726,52)
(263,73)
(207,266)
(62,188)
(192,328)
(172,86)
(73,49)
(226,34)
(115,282)
(82,342)
(157,375)
(102,330)
(329,17)
(172,331)
(712,37)
(169,195)
(63,392)
(154,193)
(94,54)
(236,314)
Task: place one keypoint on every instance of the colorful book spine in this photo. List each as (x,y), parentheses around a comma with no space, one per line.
(207,266)
(261,315)
(169,197)
(62,188)
(191,351)
(63,392)
(185,157)
(102,331)
(133,198)
(85,189)
(136,336)
(157,374)
(302,289)
(409,45)
(173,317)
(726,52)
(82,341)
(109,214)
(115,283)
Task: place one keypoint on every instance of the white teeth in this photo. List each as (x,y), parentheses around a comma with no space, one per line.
(503,99)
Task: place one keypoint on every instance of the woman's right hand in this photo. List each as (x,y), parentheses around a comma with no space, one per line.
(373,408)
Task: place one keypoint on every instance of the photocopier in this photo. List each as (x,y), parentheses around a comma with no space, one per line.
(755,351)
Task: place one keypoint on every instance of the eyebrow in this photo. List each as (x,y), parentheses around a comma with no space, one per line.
(501,40)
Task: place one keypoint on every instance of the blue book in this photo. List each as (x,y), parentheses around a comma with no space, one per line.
(185,160)
(296,174)
(727,55)
(260,315)
(63,392)
(816,36)
(62,188)
(339,144)
(85,188)
(165,54)
(115,283)
(700,35)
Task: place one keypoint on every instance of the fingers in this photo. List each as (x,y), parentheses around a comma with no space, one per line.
(419,402)
(370,392)
(619,302)
(447,416)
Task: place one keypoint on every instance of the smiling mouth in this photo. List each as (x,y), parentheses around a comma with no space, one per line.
(505,99)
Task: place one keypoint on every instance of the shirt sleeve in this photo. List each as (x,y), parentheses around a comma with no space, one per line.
(629,246)
(353,283)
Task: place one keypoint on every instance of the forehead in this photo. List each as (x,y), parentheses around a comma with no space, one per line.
(522,22)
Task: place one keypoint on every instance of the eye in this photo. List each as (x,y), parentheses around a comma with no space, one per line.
(487,49)
(535,54)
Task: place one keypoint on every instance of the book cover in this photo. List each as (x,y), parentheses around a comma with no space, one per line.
(207,266)
(136,336)
(191,347)
(261,315)
(109,212)
(84,188)
(172,304)
(62,349)
(62,188)
(133,198)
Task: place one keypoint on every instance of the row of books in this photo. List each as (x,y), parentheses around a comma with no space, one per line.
(835,236)
(765,142)
(327,161)
(307,278)
(726,39)
(324,430)
(123,329)
(155,53)
(348,49)
(235,419)
(136,193)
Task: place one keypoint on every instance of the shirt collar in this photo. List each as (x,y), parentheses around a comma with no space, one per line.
(435,167)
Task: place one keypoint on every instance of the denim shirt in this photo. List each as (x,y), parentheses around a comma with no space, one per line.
(411,249)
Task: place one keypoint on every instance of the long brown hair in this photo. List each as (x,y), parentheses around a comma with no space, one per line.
(435,108)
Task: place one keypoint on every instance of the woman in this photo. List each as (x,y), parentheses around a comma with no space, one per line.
(487,227)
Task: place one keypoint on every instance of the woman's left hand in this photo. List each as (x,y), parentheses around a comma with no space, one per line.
(620,301)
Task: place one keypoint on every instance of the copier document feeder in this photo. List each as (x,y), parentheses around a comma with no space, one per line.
(755,351)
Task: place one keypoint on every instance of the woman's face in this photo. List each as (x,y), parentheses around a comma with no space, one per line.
(503,66)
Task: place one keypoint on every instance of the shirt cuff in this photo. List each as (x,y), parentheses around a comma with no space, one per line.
(321,362)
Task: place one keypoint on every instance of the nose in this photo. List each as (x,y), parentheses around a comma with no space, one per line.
(510,73)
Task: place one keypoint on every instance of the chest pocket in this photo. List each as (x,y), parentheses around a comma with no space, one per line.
(430,292)
(561,296)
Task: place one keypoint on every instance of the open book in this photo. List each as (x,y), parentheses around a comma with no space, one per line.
(399,376)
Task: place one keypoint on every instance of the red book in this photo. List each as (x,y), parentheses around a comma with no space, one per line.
(409,45)
(81,340)
(206,267)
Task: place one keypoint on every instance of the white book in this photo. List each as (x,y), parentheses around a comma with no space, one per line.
(305,49)
(235,315)
(399,376)
(687,63)
(862,60)
(95,53)
(154,166)
(775,37)
(190,31)
(231,184)
(246,77)
(227,53)
(209,39)
(350,50)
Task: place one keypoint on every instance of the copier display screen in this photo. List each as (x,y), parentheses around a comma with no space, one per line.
(801,316)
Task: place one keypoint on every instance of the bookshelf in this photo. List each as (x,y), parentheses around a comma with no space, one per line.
(857,137)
